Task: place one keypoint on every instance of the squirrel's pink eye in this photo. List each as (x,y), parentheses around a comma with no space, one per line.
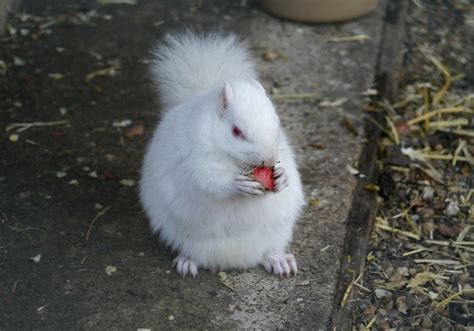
(237,132)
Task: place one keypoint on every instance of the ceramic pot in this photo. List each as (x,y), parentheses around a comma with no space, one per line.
(318,11)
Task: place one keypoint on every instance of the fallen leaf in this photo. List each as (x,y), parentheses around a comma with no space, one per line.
(370,92)
(121,124)
(127,182)
(18,61)
(222,276)
(317,146)
(60,174)
(372,188)
(110,269)
(346,123)
(136,130)
(450,230)
(370,310)
(314,202)
(332,104)
(270,55)
(56,76)
(423,277)
(36,259)
(352,170)
(14,137)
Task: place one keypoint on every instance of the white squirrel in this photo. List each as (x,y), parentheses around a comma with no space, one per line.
(218,123)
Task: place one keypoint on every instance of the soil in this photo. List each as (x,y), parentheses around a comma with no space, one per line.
(418,272)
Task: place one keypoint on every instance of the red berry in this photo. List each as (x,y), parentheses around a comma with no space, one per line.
(264,175)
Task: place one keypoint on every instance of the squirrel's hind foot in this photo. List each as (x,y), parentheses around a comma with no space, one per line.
(280,264)
(184,265)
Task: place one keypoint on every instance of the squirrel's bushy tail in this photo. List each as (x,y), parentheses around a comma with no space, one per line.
(187,63)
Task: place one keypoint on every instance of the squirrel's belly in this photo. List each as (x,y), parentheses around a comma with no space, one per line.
(240,234)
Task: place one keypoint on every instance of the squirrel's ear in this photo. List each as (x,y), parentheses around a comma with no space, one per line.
(257,83)
(226,96)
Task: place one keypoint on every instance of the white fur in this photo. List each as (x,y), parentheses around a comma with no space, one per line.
(187,63)
(189,186)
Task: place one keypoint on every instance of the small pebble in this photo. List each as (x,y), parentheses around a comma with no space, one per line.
(427,194)
(452,209)
(171,318)
(381,293)
(427,323)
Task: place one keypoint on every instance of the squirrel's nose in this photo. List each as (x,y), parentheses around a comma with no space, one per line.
(270,160)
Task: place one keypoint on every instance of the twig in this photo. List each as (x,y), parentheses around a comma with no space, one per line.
(358,37)
(394,132)
(447,79)
(110,71)
(99,215)
(459,132)
(25,126)
(432,113)
(437,261)
(398,231)
(447,124)
(445,157)
(462,143)
(454,296)
(229,287)
(349,289)
(369,325)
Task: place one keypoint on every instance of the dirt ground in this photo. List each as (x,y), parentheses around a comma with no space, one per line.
(418,272)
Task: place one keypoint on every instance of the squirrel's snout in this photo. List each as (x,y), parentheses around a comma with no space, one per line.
(270,160)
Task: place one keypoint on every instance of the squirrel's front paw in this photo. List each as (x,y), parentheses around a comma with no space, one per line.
(281,179)
(248,187)
(184,265)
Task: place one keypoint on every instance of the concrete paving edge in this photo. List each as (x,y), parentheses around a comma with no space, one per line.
(361,216)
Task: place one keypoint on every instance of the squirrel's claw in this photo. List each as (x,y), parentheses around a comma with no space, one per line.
(184,265)
(281,179)
(280,264)
(248,187)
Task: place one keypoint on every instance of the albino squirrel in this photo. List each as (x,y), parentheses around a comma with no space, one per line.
(195,186)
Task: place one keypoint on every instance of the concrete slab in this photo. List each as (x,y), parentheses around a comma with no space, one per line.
(43,212)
